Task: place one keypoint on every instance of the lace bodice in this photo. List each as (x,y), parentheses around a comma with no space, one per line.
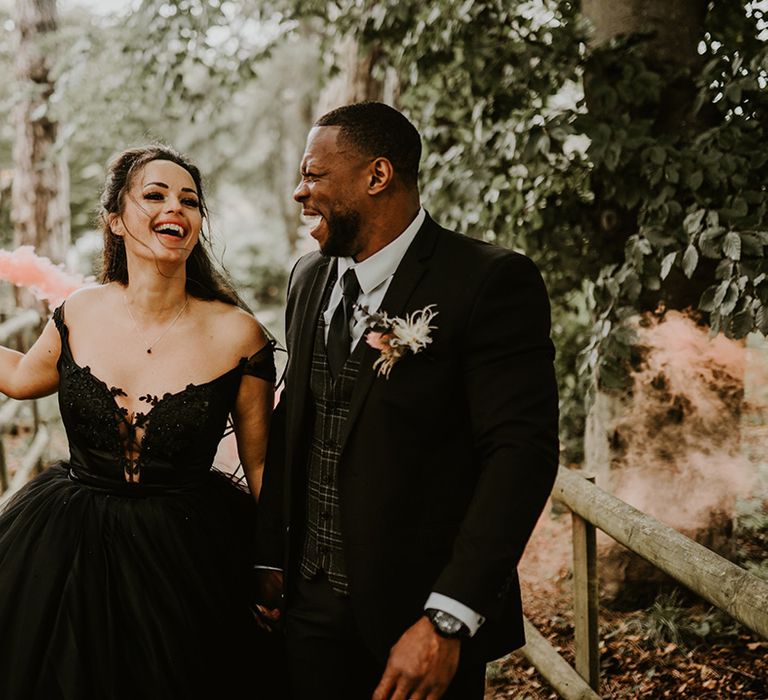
(173,442)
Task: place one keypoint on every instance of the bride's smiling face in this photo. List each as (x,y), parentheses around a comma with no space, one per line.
(161,217)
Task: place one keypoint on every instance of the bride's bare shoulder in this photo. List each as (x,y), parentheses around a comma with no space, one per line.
(239,326)
(92,301)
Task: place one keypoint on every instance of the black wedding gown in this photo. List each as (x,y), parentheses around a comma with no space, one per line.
(111,589)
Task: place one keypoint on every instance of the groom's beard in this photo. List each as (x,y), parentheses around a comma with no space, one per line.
(343,235)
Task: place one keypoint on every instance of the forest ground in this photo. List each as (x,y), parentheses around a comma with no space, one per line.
(677,647)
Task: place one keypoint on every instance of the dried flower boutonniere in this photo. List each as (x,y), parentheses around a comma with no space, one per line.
(393,336)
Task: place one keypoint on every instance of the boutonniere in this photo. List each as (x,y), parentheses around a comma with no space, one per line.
(393,336)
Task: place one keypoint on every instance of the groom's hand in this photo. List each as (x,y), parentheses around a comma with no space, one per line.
(269,593)
(420,666)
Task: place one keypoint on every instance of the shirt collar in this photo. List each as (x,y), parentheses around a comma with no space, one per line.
(380,266)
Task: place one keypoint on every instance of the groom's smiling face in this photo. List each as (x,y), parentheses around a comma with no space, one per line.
(332,192)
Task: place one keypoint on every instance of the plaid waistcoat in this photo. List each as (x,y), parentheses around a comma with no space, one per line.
(323,548)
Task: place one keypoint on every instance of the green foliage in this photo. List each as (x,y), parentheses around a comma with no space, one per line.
(751,536)
(694,194)
(670,621)
(229,83)
(176,72)
(665,622)
(650,190)
(493,87)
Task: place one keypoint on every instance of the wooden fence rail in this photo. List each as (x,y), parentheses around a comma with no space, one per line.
(15,329)
(734,590)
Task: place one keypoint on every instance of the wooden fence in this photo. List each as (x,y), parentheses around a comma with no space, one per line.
(719,581)
(13,332)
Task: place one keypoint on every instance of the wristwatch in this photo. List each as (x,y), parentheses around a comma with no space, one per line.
(446,625)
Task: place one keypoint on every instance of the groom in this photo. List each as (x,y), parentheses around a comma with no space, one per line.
(399,504)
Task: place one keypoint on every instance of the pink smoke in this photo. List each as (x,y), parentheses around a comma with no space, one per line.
(47,281)
(680,456)
(681,438)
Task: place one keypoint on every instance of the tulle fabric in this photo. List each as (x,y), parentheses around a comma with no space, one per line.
(105,595)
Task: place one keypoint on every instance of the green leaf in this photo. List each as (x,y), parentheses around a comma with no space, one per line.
(695,179)
(751,245)
(742,323)
(724,269)
(612,156)
(707,301)
(733,93)
(666,264)
(657,155)
(632,287)
(739,207)
(710,242)
(762,294)
(692,222)
(729,303)
(732,245)
(690,260)
(720,293)
(672,174)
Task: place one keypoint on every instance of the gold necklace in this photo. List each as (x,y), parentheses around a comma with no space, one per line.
(162,335)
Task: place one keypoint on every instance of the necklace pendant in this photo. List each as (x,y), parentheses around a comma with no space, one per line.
(149,351)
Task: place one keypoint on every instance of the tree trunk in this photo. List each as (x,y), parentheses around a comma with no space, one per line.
(357,81)
(675,26)
(40,190)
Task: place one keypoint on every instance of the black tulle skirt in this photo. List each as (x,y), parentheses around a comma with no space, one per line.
(106,595)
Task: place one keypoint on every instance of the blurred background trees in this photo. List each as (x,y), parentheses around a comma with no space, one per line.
(622,145)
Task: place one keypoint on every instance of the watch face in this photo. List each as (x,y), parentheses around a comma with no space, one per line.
(447,623)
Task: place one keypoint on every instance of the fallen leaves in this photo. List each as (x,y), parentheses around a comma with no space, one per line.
(729,662)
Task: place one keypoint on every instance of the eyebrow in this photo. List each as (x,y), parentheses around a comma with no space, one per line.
(162,184)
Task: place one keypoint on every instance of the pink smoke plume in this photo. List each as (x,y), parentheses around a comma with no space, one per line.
(47,281)
(686,440)
(679,455)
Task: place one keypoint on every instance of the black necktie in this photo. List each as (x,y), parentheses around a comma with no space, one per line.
(339,337)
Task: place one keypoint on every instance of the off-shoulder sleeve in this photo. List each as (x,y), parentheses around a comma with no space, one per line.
(61,325)
(58,318)
(262,363)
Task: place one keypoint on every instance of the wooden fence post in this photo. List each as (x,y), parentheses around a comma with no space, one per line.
(585,599)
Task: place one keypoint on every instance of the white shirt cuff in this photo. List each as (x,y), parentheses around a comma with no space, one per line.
(453,607)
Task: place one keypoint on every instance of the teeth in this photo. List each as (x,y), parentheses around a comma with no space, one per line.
(311,220)
(174,228)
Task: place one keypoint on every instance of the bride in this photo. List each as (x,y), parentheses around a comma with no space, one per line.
(124,571)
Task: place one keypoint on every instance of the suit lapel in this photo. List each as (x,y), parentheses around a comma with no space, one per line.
(407,277)
(307,327)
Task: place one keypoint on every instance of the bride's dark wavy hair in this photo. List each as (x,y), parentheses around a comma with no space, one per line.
(204,281)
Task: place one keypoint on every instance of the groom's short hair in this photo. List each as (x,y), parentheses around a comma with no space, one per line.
(378,130)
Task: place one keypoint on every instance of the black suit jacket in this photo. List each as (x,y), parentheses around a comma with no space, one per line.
(446,465)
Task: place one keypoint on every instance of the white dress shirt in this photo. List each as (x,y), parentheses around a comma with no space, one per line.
(374,275)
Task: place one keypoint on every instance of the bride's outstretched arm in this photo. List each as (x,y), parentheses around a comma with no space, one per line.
(252,414)
(34,374)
